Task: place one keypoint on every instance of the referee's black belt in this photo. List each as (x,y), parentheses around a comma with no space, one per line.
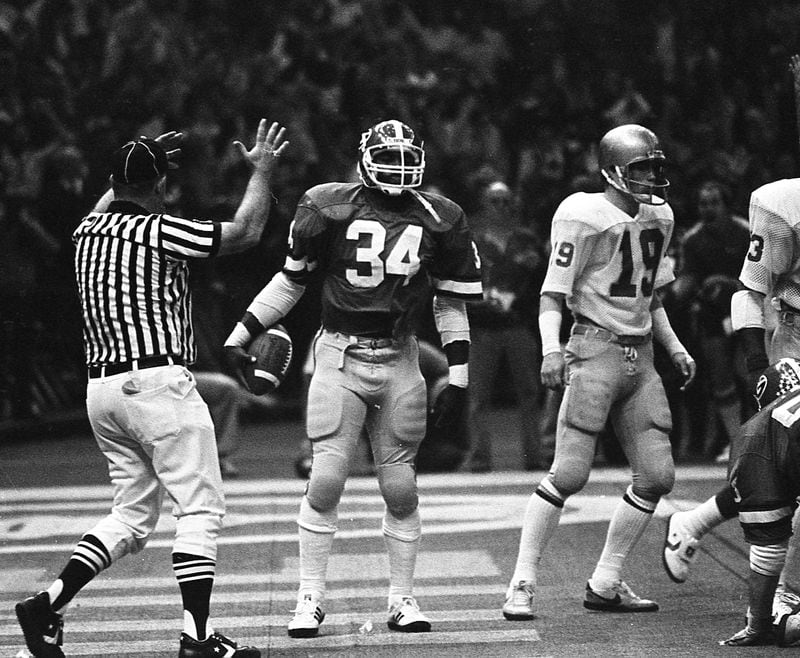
(604,334)
(109,369)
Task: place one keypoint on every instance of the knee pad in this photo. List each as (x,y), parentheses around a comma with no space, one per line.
(196,534)
(654,476)
(398,484)
(327,481)
(408,529)
(316,521)
(574,459)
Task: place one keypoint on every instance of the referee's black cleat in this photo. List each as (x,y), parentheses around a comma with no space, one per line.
(215,645)
(42,626)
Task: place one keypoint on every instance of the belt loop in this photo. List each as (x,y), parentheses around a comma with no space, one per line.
(342,353)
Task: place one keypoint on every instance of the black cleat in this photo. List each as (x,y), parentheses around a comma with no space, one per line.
(215,645)
(42,626)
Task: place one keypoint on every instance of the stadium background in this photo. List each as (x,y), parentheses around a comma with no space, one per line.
(513,89)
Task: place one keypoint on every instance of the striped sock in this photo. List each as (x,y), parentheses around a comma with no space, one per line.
(631,517)
(88,559)
(195,575)
(538,526)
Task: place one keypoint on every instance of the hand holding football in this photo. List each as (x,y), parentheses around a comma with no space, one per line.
(272,350)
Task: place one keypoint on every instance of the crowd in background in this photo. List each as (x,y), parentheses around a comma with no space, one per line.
(517,91)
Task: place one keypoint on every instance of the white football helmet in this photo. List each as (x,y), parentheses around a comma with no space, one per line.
(632,162)
(391,158)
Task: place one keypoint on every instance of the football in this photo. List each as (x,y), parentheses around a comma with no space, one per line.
(272,350)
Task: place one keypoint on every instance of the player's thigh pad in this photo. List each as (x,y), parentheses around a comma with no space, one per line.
(642,423)
(397,428)
(326,394)
(398,484)
(587,399)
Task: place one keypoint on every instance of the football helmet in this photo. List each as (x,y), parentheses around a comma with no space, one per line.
(392,158)
(631,161)
(777,380)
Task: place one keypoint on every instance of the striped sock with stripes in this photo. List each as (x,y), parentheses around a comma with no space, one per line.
(195,575)
(88,559)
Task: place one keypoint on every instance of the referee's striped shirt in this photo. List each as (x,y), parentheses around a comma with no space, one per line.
(133,279)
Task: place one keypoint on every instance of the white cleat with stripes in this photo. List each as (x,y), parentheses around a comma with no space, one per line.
(308,615)
(405,616)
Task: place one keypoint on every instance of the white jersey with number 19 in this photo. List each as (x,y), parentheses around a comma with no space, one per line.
(608,263)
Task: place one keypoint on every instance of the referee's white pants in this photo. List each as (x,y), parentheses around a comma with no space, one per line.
(157,435)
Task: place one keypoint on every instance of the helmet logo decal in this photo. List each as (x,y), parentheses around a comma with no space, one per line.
(392,158)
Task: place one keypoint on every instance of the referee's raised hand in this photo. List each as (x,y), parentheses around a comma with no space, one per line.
(269,146)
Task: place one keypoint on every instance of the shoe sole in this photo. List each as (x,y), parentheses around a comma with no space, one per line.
(517,616)
(303,632)
(671,575)
(36,645)
(607,607)
(413,627)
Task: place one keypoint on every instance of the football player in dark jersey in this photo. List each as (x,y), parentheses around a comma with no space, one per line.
(379,246)
(765,478)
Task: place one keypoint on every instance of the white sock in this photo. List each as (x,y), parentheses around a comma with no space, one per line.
(402,539)
(627,525)
(315,547)
(698,521)
(55,589)
(539,524)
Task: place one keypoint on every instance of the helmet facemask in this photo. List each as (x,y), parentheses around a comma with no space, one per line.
(392,159)
(642,178)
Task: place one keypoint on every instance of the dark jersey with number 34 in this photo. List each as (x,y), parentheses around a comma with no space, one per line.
(380,255)
(766,475)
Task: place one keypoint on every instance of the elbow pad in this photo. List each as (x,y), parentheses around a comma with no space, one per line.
(451,319)
(747,310)
(275,300)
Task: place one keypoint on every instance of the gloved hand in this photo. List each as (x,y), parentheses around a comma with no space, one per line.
(448,410)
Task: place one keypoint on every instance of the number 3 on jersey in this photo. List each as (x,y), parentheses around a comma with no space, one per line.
(402,260)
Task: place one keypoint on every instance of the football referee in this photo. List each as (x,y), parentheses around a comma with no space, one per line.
(146,414)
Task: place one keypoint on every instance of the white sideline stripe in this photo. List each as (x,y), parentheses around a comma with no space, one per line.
(289,595)
(369,483)
(270,643)
(378,618)
(581,509)
(343,567)
(349,499)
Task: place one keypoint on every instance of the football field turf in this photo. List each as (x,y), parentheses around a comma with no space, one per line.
(54,489)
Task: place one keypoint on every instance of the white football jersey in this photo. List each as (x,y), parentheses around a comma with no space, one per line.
(772,264)
(608,263)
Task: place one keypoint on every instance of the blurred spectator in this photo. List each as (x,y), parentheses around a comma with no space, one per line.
(710,258)
(503,328)
(520,87)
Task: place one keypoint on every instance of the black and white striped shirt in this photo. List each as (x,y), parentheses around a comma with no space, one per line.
(133,279)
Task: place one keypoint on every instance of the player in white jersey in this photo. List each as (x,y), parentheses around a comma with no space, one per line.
(608,260)
(770,276)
